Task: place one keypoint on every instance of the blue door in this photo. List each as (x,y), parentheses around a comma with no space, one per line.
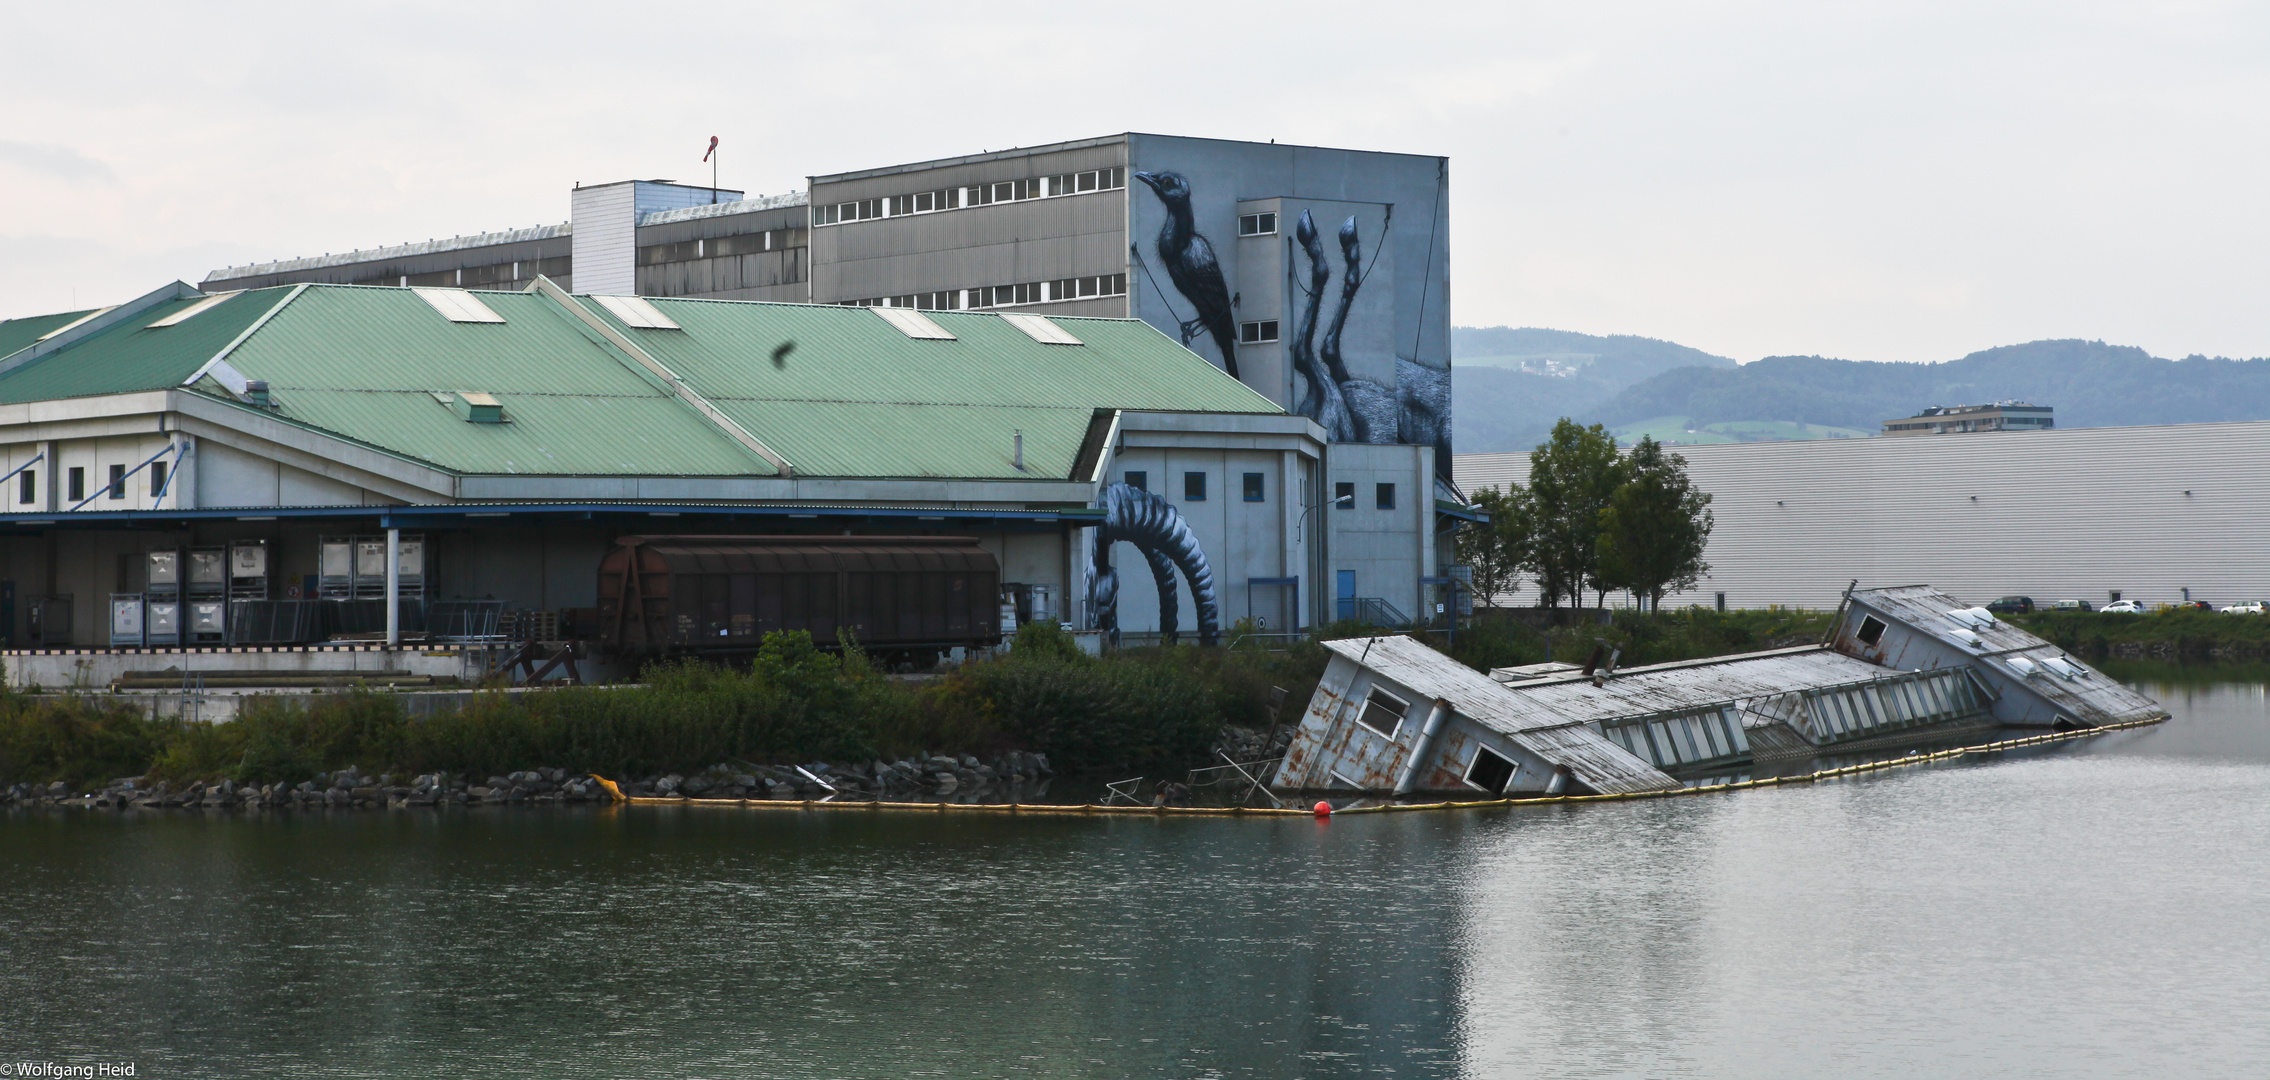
(1347,593)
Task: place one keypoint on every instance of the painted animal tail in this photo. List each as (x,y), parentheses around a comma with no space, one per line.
(1150,523)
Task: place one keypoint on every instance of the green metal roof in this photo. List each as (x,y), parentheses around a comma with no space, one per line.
(22,333)
(853,398)
(366,362)
(137,356)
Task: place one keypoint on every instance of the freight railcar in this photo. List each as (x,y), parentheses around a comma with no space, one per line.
(898,595)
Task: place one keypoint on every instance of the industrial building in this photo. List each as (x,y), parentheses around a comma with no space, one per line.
(429,460)
(1964,419)
(1319,277)
(2156,514)
(1907,666)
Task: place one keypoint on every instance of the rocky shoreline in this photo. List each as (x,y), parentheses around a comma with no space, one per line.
(934,777)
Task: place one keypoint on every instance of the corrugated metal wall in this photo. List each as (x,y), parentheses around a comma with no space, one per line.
(2054,515)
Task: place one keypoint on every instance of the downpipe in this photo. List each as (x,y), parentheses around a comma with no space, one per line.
(1424,751)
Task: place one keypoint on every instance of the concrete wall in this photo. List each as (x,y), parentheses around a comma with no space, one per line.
(1387,550)
(2064,514)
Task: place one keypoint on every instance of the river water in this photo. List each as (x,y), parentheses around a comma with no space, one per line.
(2096,908)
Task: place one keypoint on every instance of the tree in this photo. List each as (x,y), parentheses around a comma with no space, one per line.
(1655,526)
(1571,477)
(1500,550)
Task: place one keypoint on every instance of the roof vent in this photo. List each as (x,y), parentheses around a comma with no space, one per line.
(100,312)
(913,324)
(638,312)
(475,407)
(256,393)
(458,306)
(1040,329)
(193,310)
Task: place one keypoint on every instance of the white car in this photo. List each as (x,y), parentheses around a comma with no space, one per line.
(2123,607)
(2254,608)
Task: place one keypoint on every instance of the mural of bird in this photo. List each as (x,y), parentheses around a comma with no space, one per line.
(1191,263)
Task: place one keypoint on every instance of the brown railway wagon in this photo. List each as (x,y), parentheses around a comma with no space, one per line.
(694,593)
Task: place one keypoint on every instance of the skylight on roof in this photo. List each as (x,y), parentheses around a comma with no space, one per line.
(458,306)
(913,324)
(636,311)
(1040,329)
(75,323)
(193,310)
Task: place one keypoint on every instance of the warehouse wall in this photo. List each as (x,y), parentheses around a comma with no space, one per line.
(2055,515)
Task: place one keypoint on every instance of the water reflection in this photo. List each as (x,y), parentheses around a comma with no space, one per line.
(2096,907)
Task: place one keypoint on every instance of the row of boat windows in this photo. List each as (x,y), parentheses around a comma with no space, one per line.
(956,198)
(1929,698)
(1030,292)
(1680,740)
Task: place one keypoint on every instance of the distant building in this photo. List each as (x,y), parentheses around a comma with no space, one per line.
(2000,416)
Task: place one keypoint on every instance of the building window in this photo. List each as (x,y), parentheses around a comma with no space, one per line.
(1344,496)
(1871,629)
(157,478)
(1253,488)
(118,481)
(1139,480)
(1489,771)
(1383,712)
(1257,333)
(78,483)
(1194,487)
(1257,224)
(1386,496)
(26,487)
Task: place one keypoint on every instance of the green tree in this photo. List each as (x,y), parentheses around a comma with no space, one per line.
(1655,526)
(1571,477)
(1501,550)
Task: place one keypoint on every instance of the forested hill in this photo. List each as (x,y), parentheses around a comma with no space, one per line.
(2090,383)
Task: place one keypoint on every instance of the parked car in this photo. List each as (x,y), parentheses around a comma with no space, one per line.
(2012,605)
(2072,605)
(2123,607)
(2253,608)
(2190,605)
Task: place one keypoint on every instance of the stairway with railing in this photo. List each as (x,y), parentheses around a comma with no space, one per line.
(1373,611)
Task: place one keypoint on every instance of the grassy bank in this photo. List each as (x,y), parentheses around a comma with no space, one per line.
(2185,634)
(1137,711)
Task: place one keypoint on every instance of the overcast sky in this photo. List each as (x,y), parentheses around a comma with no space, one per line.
(1907,181)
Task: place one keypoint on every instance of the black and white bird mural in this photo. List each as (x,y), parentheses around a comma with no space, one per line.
(1167,544)
(1382,396)
(1191,264)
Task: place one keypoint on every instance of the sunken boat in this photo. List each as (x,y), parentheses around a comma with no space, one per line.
(1904,667)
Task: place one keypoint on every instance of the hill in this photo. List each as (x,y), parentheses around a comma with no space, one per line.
(1501,406)
(2090,383)
(1513,383)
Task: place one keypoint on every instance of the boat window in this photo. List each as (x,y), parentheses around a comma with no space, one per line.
(1383,712)
(1489,772)
(1871,630)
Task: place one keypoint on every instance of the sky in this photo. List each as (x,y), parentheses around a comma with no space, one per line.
(1911,181)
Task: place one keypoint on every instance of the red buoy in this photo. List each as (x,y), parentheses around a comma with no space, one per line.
(1323,809)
